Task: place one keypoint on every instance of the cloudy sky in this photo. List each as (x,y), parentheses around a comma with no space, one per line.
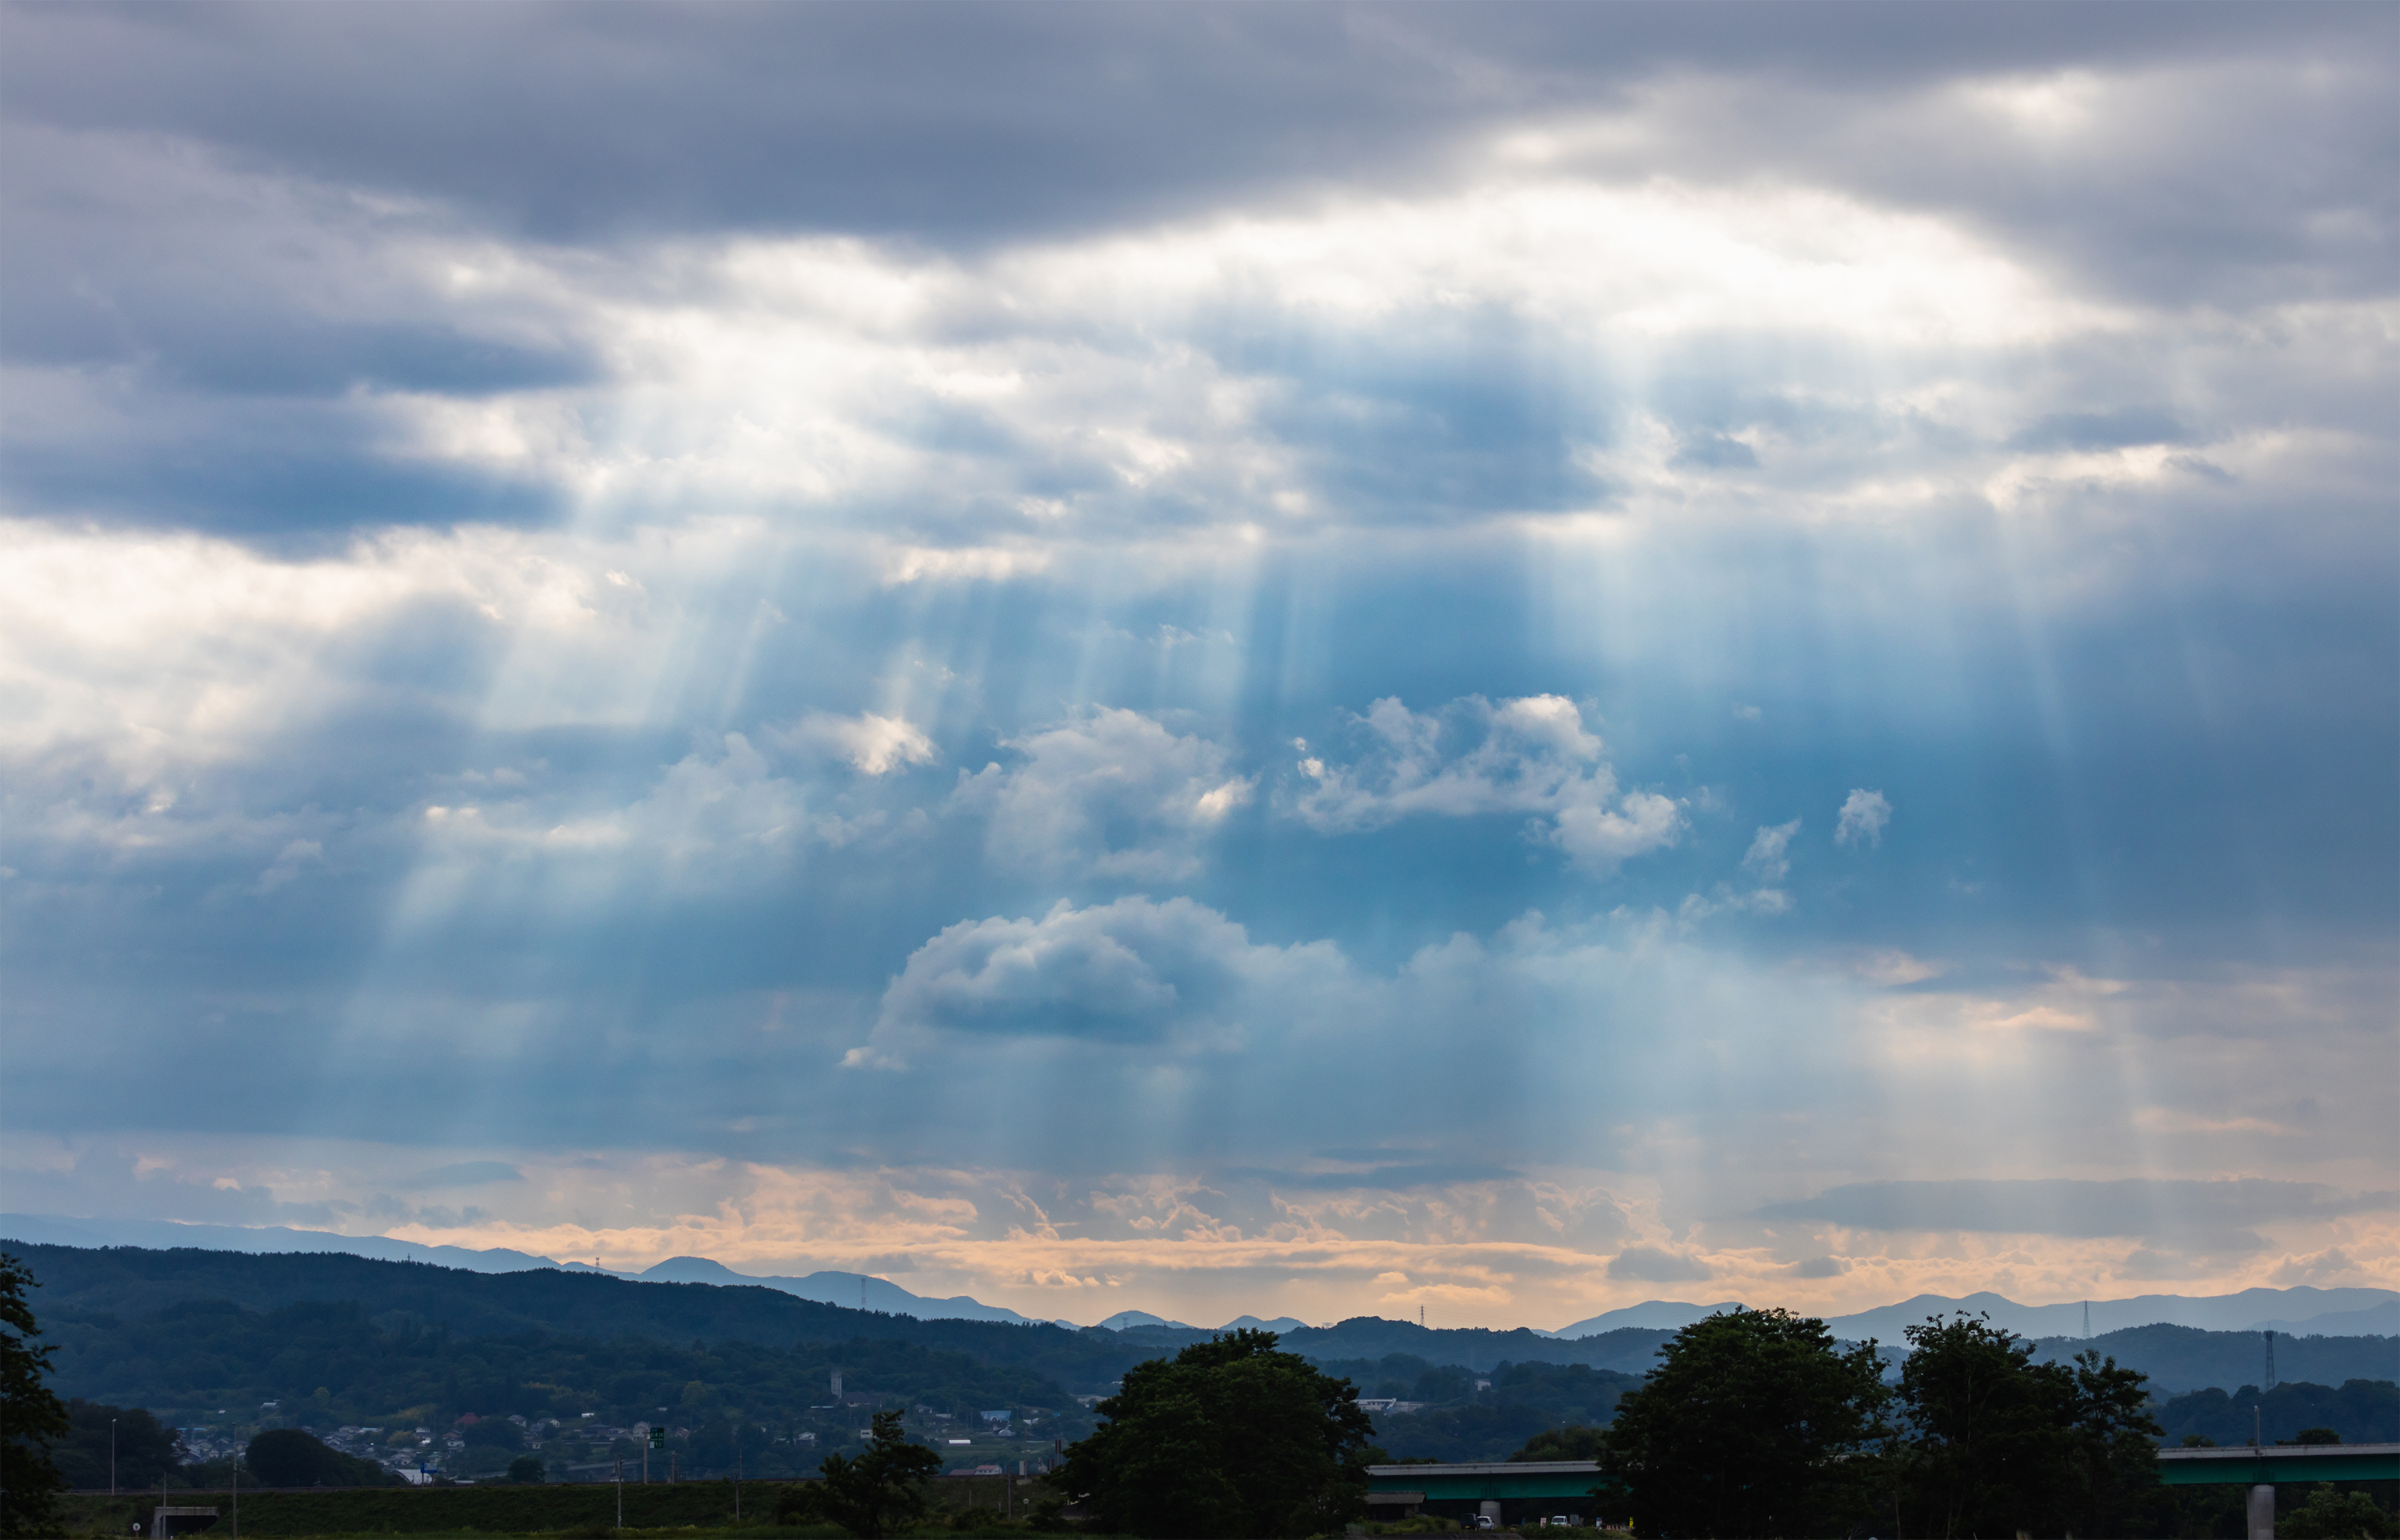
(1301,659)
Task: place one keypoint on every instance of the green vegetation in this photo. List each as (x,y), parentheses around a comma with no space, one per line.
(106,1288)
(1230,1439)
(207,1355)
(1460,1422)
(588,1509)
(2334,1514)
(1239,1436)
(2187,1358)
(1572,1443)
(881,1490)
(145,1450)
(2361,1411)
(290,1457)
(1996,1442)
(30,1413)
(1755,1422)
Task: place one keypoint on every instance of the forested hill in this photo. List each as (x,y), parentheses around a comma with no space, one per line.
(2180,1357)
(127,1283)
(1628,1350)
(131,1281)
(327,1365)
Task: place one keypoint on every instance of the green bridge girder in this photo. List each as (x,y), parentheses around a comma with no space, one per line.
(2274,1465)
(1495,1480)
(2242,1465)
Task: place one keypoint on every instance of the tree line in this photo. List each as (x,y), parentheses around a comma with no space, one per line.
(326,1364)
(1751,1422)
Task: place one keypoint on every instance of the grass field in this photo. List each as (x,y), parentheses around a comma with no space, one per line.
(687,1509)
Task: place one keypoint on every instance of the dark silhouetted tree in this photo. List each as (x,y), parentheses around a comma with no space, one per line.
(147,1449)
(1576,1441)
(1230,1439)
(292,1457)
(880,1491)
(1755,1422)
(1996,1442)
(31,1416)
(2330,1514)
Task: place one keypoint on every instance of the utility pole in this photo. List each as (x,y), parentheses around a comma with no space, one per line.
(237,1494)
(620,1480)
(111,1456)
(737,1473)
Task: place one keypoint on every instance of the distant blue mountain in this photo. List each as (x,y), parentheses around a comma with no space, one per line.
(2253,1309)
(2301,1311)
(2311,1312)
(840,1288)
(2383,1320)
(856,1289)
(1665,1315)
(1132,1321)
(167,1235)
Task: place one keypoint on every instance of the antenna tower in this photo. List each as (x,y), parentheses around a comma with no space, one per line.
(2087,1320)
(2270,1362)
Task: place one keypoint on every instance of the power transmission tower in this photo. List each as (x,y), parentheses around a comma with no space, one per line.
(2270,1362)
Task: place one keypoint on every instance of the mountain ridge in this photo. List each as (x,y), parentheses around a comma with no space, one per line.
(2300,1310)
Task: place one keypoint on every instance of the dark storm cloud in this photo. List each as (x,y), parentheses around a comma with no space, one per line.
(2218,1215)
(946,121)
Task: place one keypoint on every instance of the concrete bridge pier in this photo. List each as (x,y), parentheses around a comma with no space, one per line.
(2262,1512)
(1491,1511)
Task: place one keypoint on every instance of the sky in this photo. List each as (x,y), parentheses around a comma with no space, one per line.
(1309,660)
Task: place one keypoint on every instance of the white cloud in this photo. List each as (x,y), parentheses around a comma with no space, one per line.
(1863,816)
(1657,1264)
(719,816)
(1894,967)
(1111,792)
(288,864)
(1134,971)
(1769,853)
(873,746)
(1529,756)
(1696,908)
